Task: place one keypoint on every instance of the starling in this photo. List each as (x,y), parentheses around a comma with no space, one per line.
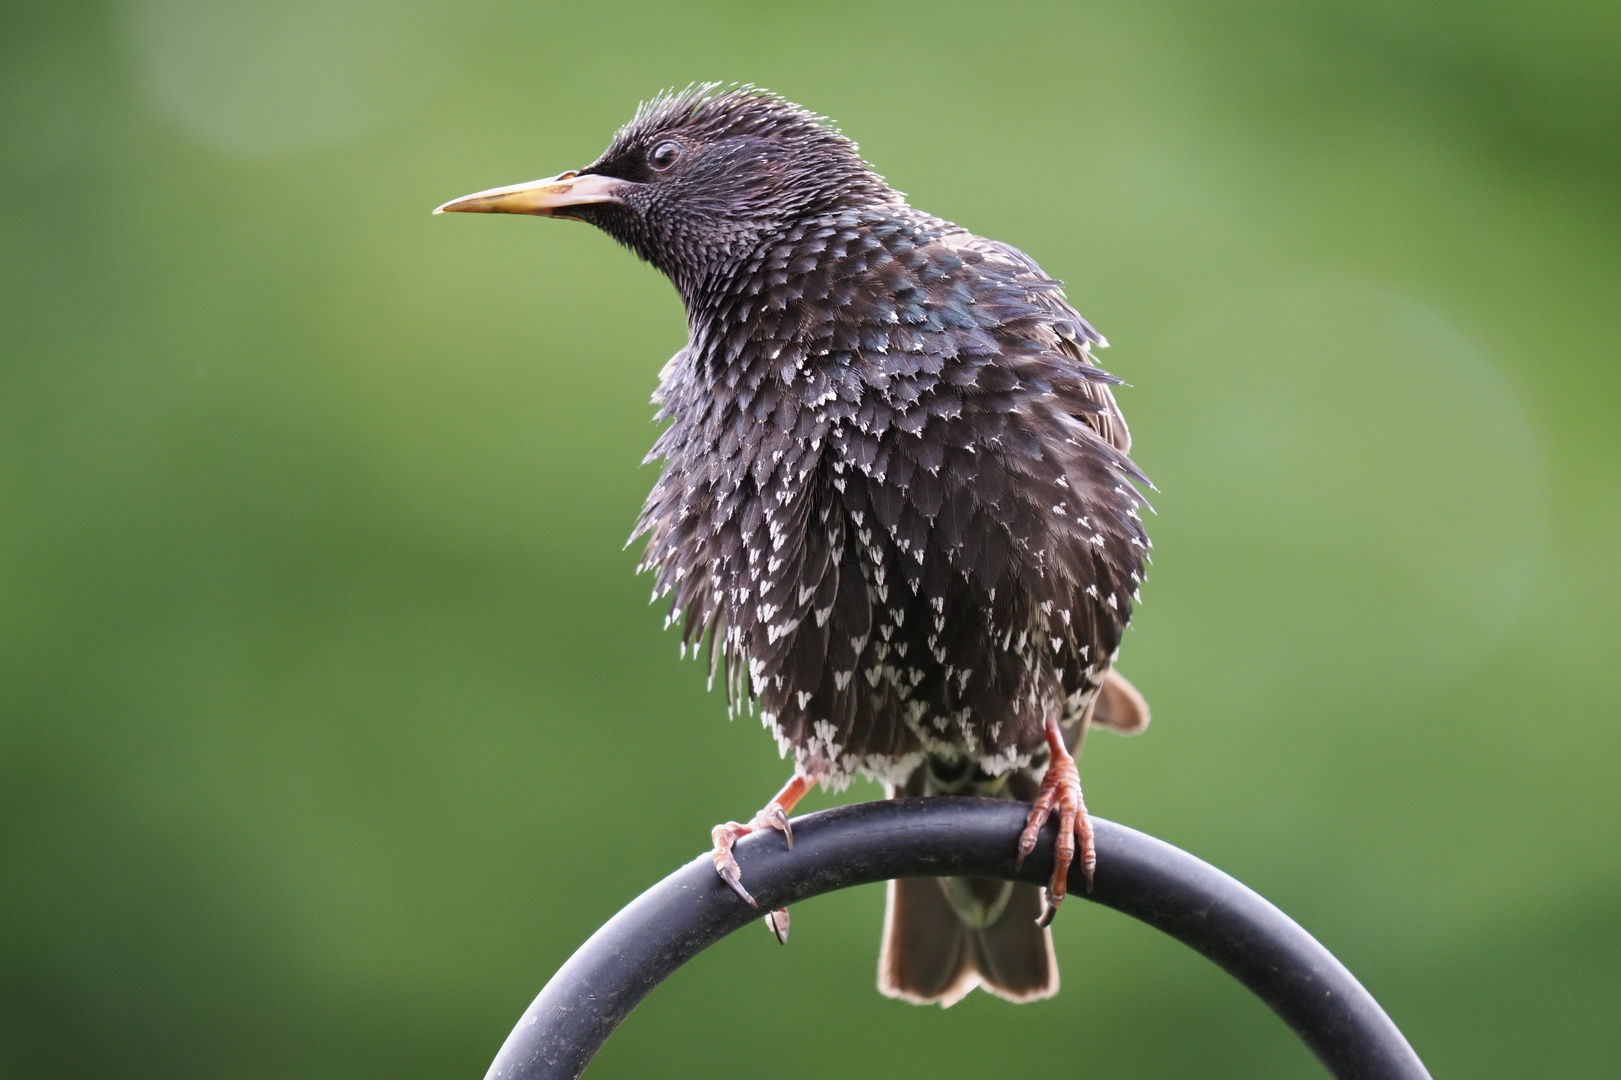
(896,504)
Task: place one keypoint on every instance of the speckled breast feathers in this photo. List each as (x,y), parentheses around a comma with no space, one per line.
(896,502)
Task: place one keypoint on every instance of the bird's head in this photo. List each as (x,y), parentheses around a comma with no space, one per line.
(698,177)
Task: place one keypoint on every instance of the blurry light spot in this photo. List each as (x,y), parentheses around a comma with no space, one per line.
(1357,495)
(272,78)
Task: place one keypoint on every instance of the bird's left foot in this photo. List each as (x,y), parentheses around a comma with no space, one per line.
(1060,790)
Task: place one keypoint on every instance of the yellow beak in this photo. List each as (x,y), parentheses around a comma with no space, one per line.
(540,197)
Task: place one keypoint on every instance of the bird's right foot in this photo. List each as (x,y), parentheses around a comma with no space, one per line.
(774,815)
(726,836)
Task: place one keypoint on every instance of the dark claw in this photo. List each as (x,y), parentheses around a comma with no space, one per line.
(778,921)
(1027,844)
(778,817)
(732,877)
(1049,908)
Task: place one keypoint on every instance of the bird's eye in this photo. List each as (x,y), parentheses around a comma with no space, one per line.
(664,155)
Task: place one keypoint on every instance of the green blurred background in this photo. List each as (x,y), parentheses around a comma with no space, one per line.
(332,717)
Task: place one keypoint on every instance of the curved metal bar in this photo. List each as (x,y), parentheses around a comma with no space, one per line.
(1143,877)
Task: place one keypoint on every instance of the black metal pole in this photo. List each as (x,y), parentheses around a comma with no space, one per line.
(1143,877)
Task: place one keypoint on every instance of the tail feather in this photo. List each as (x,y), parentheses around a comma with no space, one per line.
(925,956)
(945,936)
(1119,706)
(1014,956)
(930,955)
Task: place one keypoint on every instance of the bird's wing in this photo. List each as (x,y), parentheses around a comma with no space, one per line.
(1072,335)
(985,484)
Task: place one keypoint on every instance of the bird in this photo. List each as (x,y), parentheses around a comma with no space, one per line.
(896,510)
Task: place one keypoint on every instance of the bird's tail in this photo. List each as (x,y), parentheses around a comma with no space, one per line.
(945,936)
(931,954)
